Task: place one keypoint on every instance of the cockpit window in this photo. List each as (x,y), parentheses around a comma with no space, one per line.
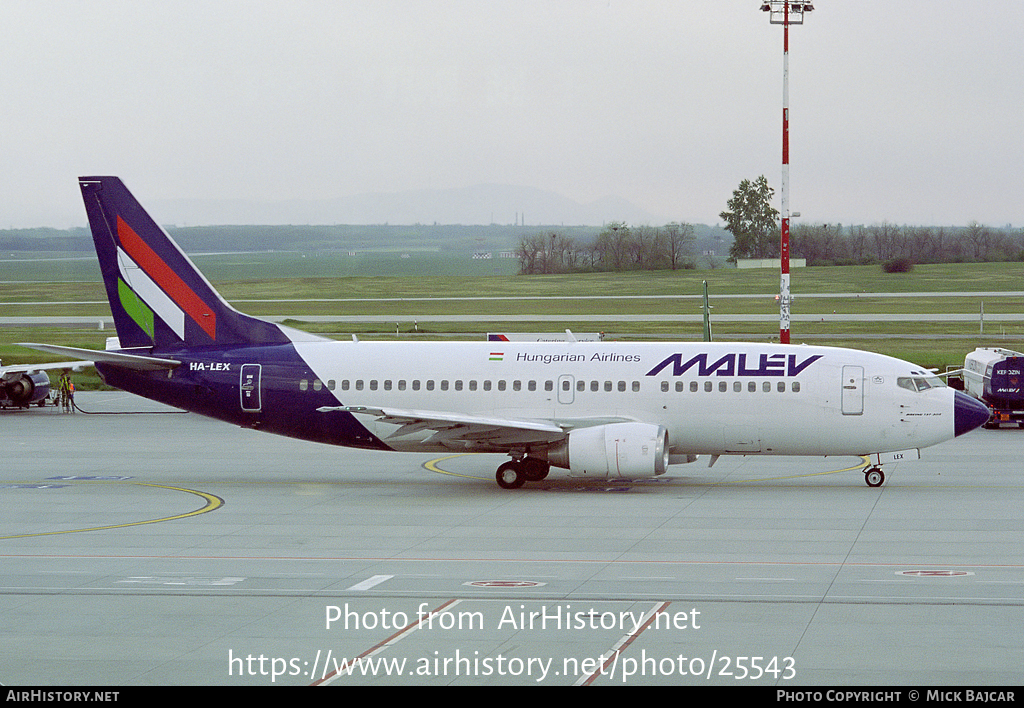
(919,383)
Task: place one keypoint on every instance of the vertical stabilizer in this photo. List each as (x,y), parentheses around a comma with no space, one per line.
(157,296)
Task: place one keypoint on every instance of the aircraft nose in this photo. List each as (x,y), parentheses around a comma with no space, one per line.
(968,413)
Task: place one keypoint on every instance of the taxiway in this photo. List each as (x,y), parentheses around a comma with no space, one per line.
(141,546)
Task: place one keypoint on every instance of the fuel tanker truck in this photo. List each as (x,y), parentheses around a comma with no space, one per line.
(995,376)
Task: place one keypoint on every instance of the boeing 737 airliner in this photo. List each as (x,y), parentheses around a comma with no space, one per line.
(598,409)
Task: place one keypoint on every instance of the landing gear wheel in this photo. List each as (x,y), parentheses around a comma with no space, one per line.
(874,477)
(510,475)
(535,469)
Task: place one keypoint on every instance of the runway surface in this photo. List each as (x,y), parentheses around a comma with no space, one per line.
(163,548)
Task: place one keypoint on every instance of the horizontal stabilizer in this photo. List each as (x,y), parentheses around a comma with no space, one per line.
(128,361)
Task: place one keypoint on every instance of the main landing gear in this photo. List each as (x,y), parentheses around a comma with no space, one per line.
(515,473)
(874,477)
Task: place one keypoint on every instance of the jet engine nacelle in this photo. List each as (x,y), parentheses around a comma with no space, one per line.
(24,389)
(624,450)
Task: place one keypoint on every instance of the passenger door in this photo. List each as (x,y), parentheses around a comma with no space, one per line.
(853,390)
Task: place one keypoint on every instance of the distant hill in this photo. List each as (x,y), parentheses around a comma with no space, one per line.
(476,205)
(341,237)
(484,218)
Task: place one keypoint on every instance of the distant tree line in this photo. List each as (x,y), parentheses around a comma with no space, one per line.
(284,237)
(833,244)
(617,247)
(45,239)
(755,227)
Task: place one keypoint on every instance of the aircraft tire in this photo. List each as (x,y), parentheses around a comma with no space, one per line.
(874,477)
(510,475)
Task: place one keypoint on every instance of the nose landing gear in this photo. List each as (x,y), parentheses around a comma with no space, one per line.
(874,477)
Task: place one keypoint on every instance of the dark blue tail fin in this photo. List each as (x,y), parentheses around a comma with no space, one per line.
(158,297)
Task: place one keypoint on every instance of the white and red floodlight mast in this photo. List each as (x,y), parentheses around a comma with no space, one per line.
(785,13)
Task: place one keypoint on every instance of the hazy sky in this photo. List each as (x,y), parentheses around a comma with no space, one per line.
(908,112)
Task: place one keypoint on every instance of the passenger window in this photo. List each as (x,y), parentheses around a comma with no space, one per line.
(782,386)
(636,387)
(693,387)
(444,385)
(595,386)
(723,387)
(664,386)
(607,385)
(304,385)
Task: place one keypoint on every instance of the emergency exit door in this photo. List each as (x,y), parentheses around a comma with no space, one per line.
(250,387)
(566,388)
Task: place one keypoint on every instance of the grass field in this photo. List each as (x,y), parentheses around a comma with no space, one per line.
(286,289)
(220,267)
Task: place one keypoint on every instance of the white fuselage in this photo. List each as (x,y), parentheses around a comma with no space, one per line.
(713,398)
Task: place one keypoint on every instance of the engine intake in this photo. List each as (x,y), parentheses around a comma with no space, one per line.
(623,450)
(25,389)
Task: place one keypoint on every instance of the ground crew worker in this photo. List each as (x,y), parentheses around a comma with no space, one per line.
(64,397)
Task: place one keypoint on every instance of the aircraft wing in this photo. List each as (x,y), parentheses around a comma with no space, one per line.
(458,427)
(472,430)
(129,361)
(34,368)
